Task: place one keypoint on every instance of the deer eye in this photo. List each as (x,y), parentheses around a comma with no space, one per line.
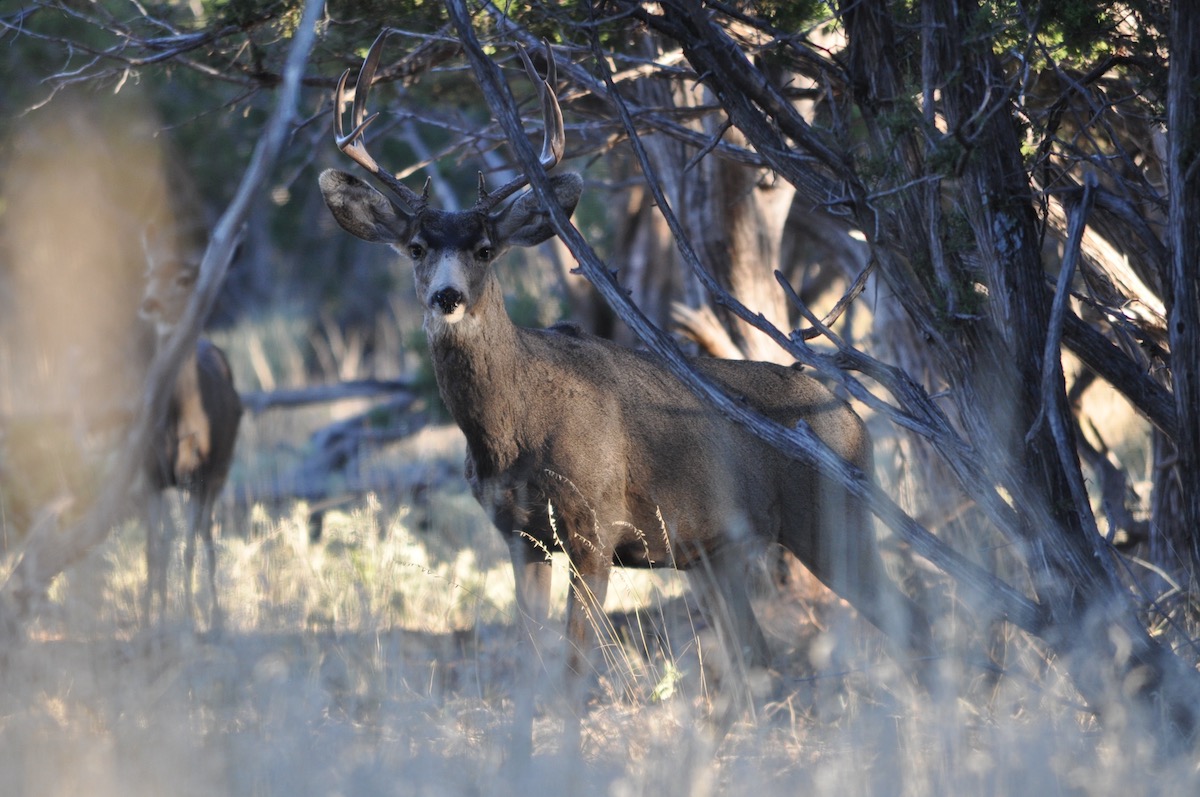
(186,280)
(416,251)
(484,253)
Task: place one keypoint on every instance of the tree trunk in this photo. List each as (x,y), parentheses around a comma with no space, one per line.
(645,252)
(734,220)
(1184,318)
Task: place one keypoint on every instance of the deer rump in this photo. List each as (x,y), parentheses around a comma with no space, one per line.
(218,400)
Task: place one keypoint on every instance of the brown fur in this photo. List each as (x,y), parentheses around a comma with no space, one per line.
(577,443)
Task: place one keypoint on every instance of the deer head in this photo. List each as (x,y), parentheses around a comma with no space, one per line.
(170,279)
(451,251)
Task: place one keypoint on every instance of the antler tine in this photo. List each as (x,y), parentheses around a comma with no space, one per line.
(352,143)
(554,139)
(348,142)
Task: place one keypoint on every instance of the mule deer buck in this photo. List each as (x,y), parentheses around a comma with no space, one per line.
(193,450)
(580,444)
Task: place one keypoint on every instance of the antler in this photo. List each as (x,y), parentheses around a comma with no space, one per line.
(353,144)
(554,138)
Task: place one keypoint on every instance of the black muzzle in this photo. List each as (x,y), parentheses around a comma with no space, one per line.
(447,300)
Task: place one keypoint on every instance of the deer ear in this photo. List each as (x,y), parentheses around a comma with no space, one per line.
(525,223)
(363,211)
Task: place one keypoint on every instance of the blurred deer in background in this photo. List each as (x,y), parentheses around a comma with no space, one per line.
(577,443)
(194,448)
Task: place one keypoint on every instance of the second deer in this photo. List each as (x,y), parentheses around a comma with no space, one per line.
(576,443)
(193,449)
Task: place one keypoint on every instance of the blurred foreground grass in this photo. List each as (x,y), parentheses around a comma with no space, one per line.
(380,661)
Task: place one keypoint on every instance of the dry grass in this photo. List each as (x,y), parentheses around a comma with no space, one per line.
(382,661)
(382,664)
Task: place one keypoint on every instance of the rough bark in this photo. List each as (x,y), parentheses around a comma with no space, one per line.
(1184,326)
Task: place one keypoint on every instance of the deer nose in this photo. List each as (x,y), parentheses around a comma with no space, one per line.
(446,300)
(149,306)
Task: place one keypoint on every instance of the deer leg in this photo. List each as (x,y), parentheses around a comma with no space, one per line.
(196,515)
(721,582)
(202,525)
(533,575)
(849,564)
(732,610)
(905,624)
(898,616)
(156,556)
(590,569)
(148,521)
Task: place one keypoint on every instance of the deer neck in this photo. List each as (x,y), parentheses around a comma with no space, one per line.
(478,367)
(187,380)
